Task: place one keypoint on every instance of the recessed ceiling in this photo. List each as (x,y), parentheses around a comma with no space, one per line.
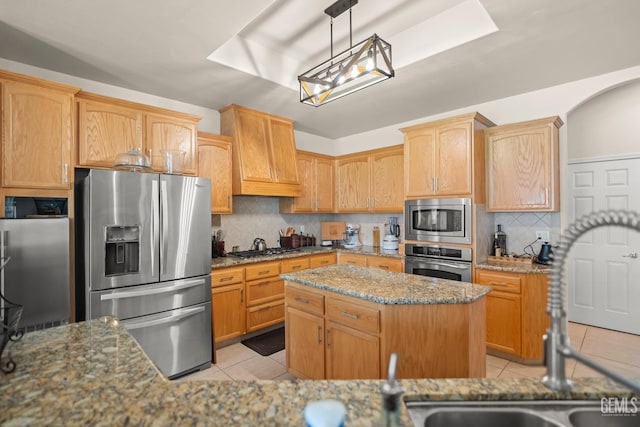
(161,48)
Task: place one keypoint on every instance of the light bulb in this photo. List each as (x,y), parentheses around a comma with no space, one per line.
(369,61)
(354,72)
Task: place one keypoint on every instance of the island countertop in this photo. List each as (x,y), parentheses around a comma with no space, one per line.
(94,373)
(386,287)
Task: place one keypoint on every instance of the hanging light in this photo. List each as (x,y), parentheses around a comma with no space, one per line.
(358,67)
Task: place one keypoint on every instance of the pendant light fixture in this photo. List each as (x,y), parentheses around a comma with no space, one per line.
(358,67)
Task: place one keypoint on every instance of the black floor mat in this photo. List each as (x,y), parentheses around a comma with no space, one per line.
(267,343)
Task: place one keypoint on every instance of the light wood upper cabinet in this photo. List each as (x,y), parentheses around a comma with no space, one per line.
(164,132)
(214,162)
(445,158)
(316,180)
(370,181)
(110,126)
(387,192)
(264,152)
(37,132)
(352,186)
(106,130)
(523,166)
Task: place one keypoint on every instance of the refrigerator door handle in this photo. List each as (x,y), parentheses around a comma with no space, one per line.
(155,219)
(164,243)
(169,319)
(138,293)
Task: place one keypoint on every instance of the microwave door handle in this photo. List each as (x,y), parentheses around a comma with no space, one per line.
(169,319)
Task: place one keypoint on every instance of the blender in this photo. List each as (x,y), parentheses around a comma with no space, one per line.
(391,234)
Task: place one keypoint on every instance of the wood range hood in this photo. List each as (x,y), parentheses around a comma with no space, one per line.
(264,152)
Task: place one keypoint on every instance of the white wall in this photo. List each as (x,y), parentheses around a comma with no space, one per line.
(606,125)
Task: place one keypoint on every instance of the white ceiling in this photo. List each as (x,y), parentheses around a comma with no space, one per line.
(443,60)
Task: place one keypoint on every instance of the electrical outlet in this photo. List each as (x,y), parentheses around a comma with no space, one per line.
(543,235)
(302,228)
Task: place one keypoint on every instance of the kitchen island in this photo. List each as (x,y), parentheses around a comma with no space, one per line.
(343,322)
(94,373)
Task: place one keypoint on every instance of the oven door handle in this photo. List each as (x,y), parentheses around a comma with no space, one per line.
(446,264)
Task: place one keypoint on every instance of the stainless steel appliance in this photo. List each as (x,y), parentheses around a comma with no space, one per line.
(352,236)
(146,260)
(37,276)
(438,220)
(445,262)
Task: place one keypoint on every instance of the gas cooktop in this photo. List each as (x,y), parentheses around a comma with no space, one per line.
(256,253)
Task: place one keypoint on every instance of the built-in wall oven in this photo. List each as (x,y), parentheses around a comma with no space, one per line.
(438,220)
(445,262)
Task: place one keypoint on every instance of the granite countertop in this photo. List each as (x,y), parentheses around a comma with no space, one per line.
(515,268)
(94,373)
(387,287)
(228,261)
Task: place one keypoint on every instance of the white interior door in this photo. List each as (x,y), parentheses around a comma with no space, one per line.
(603,274)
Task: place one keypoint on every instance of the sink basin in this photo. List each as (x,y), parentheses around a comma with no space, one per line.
(539,413)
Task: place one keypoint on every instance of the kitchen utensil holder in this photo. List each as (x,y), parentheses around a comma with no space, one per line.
(285,242)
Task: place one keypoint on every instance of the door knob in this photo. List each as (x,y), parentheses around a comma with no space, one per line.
(631,255)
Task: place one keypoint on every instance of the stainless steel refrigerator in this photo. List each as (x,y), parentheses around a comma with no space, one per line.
(37,274)
(147,261)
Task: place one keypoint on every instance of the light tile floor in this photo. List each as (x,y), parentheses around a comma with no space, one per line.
(616,350)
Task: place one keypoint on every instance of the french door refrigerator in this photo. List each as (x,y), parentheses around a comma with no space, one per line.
(147,261)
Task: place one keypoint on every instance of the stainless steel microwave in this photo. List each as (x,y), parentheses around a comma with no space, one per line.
(438,220)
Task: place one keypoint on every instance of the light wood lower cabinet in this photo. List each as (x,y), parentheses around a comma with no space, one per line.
(516,313)
(333,336)
(228,303)
(372,261)
(251,297)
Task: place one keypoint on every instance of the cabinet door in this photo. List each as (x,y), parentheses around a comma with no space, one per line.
(105,130)
(504,322)
(261,316)
(253,144)
(37,136)
(353,184)
(283,151)
(304,337)
(171,133)
(214,162)
(306,202)
(228,312)
(453,159)
(419,154)
(262,291)
(324,185)
(387,174)
(522,169)
(351,354)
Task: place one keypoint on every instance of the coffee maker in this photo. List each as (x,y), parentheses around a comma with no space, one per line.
(352,236)
(391,234)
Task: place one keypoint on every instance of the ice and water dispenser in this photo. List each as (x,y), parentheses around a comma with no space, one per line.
(122,250)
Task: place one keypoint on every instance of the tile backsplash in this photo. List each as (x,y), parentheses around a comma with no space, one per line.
(521,228)
(259,216)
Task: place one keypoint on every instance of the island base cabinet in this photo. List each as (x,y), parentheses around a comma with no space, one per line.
(304,340)
(351,354)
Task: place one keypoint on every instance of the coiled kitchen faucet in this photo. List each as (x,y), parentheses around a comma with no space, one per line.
(556,340)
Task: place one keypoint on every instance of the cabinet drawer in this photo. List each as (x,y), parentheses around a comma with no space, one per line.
(353,315)
(260,291)
(386,263)
(353,259)
(322,260)
(294,264)
(262,270)
(504,282)
(227,276)
(309,302)
(264,315)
